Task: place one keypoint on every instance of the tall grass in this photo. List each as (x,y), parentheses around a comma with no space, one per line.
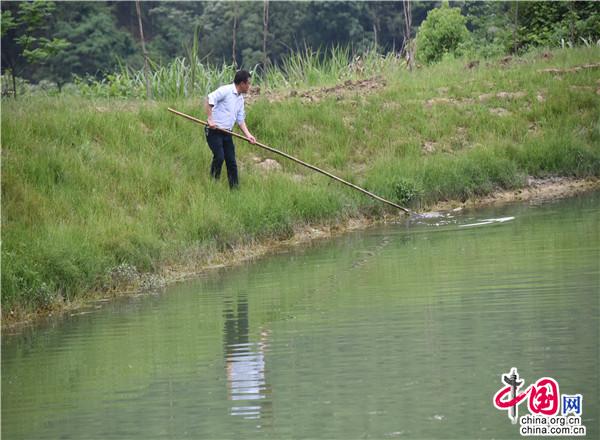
(90,187)
(179,79)
(311,67)
(192,76)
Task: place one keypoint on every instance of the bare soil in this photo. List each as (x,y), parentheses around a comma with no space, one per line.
(570,69)
(340,91)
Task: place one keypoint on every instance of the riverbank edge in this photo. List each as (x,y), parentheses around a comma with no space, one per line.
(547,189)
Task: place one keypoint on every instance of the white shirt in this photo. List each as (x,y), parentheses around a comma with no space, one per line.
(228,106)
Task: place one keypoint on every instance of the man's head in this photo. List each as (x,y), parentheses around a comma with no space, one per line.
(242,81)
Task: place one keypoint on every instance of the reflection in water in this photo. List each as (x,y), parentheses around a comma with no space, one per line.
(396,332)
(488,221)
(245,364)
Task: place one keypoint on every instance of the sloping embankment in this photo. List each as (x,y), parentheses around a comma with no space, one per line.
(104,197)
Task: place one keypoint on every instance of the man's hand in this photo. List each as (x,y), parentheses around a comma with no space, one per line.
(247,133)
(211,122)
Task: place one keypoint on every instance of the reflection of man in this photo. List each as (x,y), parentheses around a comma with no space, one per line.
(245,364)
(246,378)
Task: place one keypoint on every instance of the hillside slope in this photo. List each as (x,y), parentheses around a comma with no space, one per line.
(96,192)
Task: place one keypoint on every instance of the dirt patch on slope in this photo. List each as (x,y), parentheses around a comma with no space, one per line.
(340,91)
(536,189)
(485,97)
(570,69)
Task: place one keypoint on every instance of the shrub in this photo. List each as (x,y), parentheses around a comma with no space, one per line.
(443,32)
(405,191)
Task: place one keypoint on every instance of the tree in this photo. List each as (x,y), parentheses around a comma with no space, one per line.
(234,33)
(265,32)
(215,29)
(443,32)
(170,28)
(376,11)
(408,45)
(98,45)
(31,46)
(104,35)
(491,25)
(547,23)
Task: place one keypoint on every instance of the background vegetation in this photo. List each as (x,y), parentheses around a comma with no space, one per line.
(53,44)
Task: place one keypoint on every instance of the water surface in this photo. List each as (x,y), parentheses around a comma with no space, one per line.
(401,331)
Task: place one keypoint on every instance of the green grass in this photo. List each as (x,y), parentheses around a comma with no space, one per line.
(189,76)
(89,185)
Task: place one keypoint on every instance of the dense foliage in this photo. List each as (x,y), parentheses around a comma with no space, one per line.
(442,32)
(57,41)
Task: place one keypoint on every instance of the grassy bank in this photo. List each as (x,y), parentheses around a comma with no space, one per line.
(95,191)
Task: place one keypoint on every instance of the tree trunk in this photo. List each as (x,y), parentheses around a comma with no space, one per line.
(373,12)
(14,81)
(409,47)
(516,25)
(572,21)
(11,68)
(234,39)
(265,32)
(146,67)
(375,37)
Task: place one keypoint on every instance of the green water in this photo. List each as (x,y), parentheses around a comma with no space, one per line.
(399,331)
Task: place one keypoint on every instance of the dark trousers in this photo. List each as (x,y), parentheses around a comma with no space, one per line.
(221,145)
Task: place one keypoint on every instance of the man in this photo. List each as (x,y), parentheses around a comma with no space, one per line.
(224,107)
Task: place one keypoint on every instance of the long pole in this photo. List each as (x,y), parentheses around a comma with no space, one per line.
(301,162)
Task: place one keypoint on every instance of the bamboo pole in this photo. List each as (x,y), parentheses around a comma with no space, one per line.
(301,162)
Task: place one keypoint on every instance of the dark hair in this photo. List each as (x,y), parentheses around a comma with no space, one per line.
(241,76)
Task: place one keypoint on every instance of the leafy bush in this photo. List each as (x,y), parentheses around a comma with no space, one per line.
(549,23)
(406,191)
(443,32)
